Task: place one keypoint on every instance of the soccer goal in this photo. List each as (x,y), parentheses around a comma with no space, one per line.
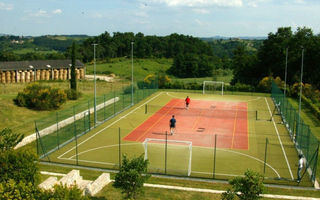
(213,87)
(171,155)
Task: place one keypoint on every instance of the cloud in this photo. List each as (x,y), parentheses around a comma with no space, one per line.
(199,3)
(39,13)
(201,11)
(254,3)
(4,6)
(57,11)
(300,1)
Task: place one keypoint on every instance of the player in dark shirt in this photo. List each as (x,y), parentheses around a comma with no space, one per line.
(172,125)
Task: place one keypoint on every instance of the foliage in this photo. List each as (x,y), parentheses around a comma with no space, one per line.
(40,97)
(163,80)
(18,165)
(313,107)
(191,65)
(72,94)
(265,84)
(12,189)
(128,89)
(73,79)
(131,176)
(248,187)
(243,65)
(64,192)
(9,139)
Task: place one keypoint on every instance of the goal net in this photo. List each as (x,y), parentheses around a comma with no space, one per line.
(171,156)
(213,87)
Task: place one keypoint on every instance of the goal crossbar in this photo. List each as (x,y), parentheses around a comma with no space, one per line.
(188,143)
(213,83)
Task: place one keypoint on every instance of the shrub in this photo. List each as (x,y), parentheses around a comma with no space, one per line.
(8,139)
(248,187)
(131,176)
(40,97)
(64,192)
(19,166)
(18,190)
(73,94)
(128,89)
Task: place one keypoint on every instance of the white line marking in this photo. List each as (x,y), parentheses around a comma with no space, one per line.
(114,145)
(111,124)
(284,153)
(256,99)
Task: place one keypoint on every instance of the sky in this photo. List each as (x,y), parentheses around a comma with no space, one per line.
(199,18)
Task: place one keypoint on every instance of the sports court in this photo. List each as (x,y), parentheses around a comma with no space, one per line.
(198,124)
(219,136)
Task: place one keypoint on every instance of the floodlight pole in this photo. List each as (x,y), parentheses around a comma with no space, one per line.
(95,88)
(300,89)
(285,73)
(132,73)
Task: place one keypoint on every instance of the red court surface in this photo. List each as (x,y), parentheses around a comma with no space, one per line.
(199,124)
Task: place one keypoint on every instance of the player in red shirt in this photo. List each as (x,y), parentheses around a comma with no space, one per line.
(187,102)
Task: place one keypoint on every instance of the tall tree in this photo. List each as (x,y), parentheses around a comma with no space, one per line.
(73,80)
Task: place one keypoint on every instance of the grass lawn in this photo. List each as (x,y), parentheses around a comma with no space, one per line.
(122,67)
(22,119)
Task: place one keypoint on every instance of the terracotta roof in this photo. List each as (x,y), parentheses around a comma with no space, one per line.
(38,64)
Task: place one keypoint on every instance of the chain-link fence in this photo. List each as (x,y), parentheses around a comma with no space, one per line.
(305,141)
(56,131)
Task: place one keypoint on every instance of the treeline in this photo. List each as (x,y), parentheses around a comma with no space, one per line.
(11,56)
(192,56)
(270,60)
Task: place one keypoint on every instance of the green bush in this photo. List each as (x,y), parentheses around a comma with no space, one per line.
(40,97)
(313,107)
(18,190)
(19,166)
(248,187)
(73,94)
(127,90)
(64,192)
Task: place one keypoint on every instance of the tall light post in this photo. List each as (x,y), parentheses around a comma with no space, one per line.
(285,73)
(132,73)
(95,88)
(299,129)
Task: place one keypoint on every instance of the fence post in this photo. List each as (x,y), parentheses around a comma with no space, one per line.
(146,109)
(37,137)
(114,103)
(119,148)
(57,120)
(265,157)
(215,155)
(75,134)
(89,114)
(104,107)
(165,156)
(316,163)
(256,114)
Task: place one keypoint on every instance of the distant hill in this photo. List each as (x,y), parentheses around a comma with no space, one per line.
(233,38)
(47,43)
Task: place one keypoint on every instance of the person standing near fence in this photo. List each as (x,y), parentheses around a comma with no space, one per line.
(172,124)
(187,100)
(300,166)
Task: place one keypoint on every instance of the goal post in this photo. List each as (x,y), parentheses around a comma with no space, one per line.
(179,154)
(212,86)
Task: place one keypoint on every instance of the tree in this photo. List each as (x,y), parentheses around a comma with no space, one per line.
(131,176)
(73,80)
(248,187)
(9,139)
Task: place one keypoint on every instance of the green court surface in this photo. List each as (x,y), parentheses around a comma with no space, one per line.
(181,156)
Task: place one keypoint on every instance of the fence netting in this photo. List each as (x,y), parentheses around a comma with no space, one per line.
(66,126)
(305,141)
